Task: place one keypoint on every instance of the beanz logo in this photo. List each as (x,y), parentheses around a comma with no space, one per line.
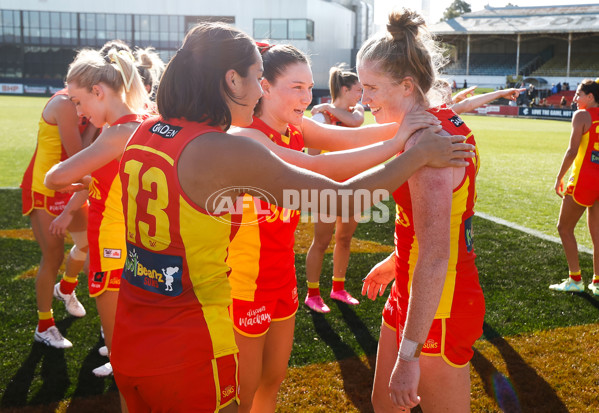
(165,130)
(156,273)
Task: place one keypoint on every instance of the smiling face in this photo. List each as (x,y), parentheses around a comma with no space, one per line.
(388,100)
(353,94)
(88,103)
(289,95)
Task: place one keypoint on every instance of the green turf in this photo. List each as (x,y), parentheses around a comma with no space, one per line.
(515,270)
(18,133)
(519,161)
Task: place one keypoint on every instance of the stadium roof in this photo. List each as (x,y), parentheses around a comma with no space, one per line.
(524,20)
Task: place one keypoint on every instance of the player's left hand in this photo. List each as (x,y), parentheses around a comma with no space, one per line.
(403,385)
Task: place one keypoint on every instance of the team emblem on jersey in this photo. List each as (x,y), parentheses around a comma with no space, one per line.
(165,130)
(595,156)
(157,273)
(457,121)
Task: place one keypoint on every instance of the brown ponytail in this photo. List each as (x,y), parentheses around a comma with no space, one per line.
(338,77)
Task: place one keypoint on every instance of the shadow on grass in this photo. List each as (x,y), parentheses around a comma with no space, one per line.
(50,365)
(591,298)
(53,371)
(524,390)
(87,383)
(357,376)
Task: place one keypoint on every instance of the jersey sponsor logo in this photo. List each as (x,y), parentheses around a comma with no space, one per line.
(254,317)
(469,234)
(595,157)
(165,130)
(99,277)
(112,253)
(430,344)
(456,120)
(56,207)
(156,273)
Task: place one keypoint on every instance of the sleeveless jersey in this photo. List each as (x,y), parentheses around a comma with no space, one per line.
(462,277)
(585,172)
(48,152)
(106,225)
(261,254)
(335,120)
(172,311)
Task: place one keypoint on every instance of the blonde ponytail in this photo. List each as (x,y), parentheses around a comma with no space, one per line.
(116,69)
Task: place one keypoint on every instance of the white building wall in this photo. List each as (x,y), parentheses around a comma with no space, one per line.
(334,25)
(334,32)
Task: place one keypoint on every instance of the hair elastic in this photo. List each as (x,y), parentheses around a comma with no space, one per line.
(263,47)
(113,59)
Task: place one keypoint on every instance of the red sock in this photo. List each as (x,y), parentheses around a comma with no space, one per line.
(313,289)
(66,286)
(338,284)
(43,325)
(576,276)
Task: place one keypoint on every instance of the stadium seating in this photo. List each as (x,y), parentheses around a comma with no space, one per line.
(556,98)
(490,64)
(580,65)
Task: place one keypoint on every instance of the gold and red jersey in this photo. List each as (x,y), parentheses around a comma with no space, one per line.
(105,223)
(172,310)
(261,253)
(585,171)
(461,289)
(48,152)
(334,120)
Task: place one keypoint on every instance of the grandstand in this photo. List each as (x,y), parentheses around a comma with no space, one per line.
(553,44)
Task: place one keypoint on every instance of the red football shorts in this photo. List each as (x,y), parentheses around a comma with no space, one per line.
(53,205)
(98,282)
(253,318)
(451,338)
(584,196)
(206,387)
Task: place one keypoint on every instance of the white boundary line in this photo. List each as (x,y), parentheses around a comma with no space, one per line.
(529,231)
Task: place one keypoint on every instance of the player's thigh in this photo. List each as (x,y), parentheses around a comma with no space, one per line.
(442,387)
(385,361)
(40,224)
(277,349)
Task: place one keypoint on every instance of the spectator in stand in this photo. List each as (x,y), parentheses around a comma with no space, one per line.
(465,84)
(563,102)
(559,87)
(574,105)
(531,94)
(454,86)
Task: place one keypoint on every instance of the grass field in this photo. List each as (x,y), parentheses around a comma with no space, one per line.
(539,348)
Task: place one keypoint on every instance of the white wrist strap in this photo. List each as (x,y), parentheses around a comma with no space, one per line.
(409,350)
